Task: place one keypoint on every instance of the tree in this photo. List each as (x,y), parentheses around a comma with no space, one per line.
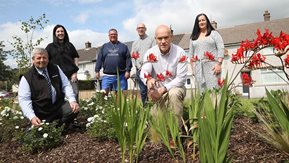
(5,71)
(23,48)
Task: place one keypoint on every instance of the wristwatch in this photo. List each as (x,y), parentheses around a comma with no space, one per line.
(220,62)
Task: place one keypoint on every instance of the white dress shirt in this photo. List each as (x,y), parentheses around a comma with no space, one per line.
(166,62)
(24,93)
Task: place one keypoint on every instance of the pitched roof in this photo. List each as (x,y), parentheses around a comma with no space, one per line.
(240,33)
(88,54)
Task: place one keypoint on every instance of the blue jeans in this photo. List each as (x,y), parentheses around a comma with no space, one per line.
(142,87)
(110,82)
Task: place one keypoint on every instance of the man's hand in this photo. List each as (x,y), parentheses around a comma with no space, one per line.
(74,106)
(35,121)
(151,83)
(157,93)
(74,77)
(127,75)
(97,75)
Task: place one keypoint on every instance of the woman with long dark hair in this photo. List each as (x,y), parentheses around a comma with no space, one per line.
(207,51)
(63,53)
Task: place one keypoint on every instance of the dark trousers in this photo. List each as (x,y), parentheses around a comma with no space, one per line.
(142,87)
(75,90)
(64,114)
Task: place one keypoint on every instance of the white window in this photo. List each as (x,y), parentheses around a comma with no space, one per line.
(270,77)
(82,67)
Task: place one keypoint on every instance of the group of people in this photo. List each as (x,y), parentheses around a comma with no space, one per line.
(161,70)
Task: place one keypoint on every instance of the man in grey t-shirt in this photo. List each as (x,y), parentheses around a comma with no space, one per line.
(139,48)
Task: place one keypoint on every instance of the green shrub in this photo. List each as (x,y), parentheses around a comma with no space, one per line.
(86,85)
(12,124)
(273,112)
(44,137)
(98,112)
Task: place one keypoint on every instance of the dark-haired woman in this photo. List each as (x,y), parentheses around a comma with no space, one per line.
(64,54)
(207,51)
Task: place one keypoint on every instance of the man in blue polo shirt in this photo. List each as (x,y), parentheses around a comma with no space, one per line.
(113,56)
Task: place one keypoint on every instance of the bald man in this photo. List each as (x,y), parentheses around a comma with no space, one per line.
(140,47)
(164,72)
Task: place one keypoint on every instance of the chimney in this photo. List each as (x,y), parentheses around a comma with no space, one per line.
(214,24)
(172,31)
(266,15)
(88,45)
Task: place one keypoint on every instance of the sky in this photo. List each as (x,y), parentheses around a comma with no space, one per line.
(90,20)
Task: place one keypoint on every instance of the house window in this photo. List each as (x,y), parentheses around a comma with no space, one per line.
(188,81)
(246,88)
(270,77)
(82,67)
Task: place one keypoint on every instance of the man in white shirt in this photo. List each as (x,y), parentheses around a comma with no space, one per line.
(42,92)
(164,71)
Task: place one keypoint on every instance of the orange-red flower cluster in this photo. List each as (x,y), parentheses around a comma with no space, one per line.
(152,58)
(240,57)
(263,40)
(256,61)
(209,55)
(246,79)
(194,58)
(183,58)
(135,55)
(267,39)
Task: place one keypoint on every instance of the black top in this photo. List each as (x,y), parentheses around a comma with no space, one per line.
(63,55)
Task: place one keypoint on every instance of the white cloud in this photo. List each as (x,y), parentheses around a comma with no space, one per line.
(79,37)
(81,18)
(89,1)
(176,13)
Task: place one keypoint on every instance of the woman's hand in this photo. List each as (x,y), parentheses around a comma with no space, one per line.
(217,68)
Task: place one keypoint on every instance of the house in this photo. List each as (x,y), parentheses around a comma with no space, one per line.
(232,37)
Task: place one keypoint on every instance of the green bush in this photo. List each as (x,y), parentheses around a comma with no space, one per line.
(12,124)
(86,84)
(97,112)
(46,136)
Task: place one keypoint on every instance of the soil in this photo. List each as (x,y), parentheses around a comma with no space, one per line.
(245,146)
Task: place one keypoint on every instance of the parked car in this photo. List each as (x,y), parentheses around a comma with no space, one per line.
(4,94)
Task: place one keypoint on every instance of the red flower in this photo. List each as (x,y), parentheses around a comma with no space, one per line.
(209,55)
(161,77)
(281,42)
(152,58)
(183,58)
(221,82)
(286,60)
(135,55)
(246,79)
(256,61)
(263,40)
(147,76)
(168,74)
(194,58)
